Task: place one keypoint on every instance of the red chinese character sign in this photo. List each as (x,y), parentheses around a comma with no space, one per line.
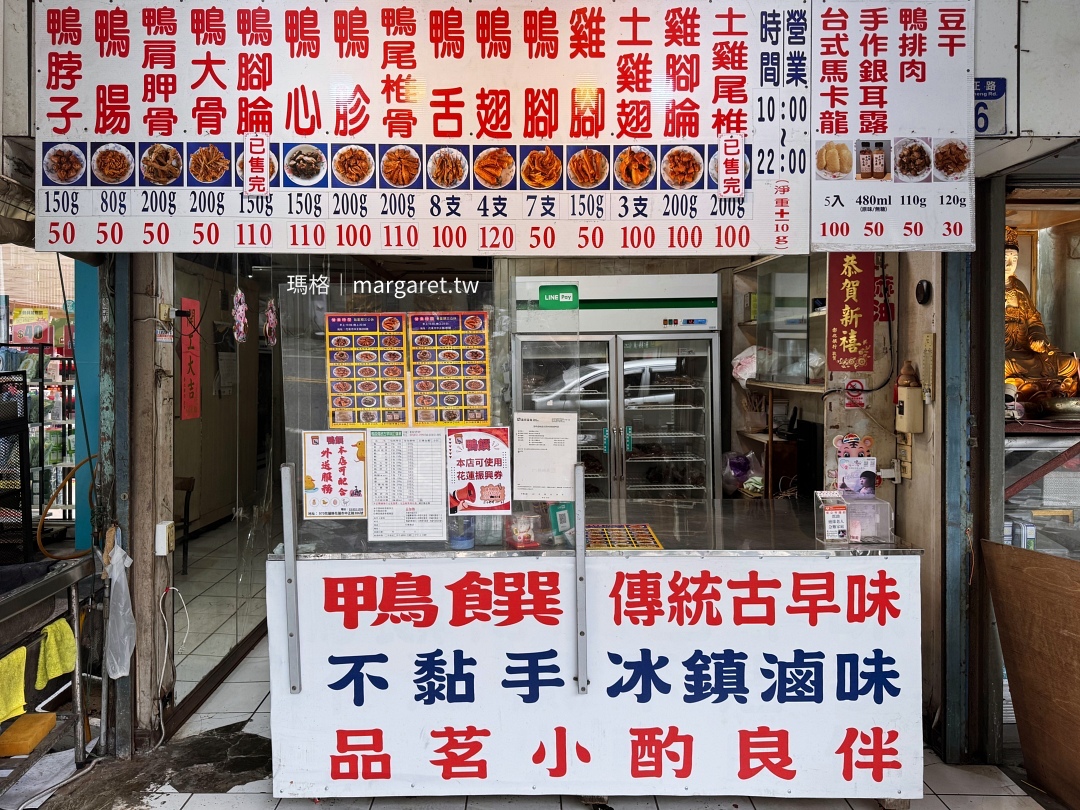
(762,676)
(851,312)
(893,125)
(190,360)
(478,470)
(498,128)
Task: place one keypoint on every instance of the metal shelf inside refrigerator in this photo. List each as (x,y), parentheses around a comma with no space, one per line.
(633,486)
(596,475)
(654,386)
(594,447)
(677,457)
(666,408)
(586,421)
(674,434)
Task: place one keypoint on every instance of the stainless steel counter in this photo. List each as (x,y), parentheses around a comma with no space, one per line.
(721,527)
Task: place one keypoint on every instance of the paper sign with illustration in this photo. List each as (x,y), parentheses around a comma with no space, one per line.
(857,477)
(478,470)
(334,474)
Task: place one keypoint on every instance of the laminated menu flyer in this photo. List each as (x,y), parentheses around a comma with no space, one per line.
(407,485)
(451,381)
(335,482)
(365,357)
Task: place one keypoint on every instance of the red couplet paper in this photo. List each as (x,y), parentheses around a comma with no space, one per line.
(851,312)
(190,360)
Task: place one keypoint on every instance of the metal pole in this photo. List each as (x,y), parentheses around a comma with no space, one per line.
(580,542)
(292,618)
(76,678)
(124,719)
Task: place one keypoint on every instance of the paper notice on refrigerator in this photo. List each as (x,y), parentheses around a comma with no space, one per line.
(407,485)
(545,451)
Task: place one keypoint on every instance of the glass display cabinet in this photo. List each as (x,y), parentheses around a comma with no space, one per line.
(791,321)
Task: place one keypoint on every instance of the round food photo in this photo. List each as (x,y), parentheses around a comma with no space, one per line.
(587,168)
(400,166)
(494,168)
(951,159)
(113,163)
(542,168)
(447,167)
(911,160)
(64,164)
(682,167)
(207,164)
(834,160)
(161,164)
(635,167)
(305,165)
(353,165)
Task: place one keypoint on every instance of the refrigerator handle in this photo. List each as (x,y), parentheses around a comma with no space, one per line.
(617,456)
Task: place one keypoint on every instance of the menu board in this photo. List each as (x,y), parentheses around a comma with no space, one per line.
(451,380)
(335,480)
(478,470)
(893,125)
(493,127)
(545,451)
(407,486)
(365,368)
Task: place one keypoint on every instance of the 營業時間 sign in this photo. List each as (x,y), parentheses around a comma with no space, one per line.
(499,128)
(893,125)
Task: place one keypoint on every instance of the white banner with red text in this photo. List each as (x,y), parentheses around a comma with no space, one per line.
(893,125)
(490,127)
(710,675)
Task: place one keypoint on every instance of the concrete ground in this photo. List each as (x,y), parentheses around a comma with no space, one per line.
(221,759)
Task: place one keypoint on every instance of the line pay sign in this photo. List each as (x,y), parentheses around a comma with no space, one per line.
(558,296)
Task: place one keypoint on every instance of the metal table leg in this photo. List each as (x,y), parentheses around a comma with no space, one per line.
(77,680)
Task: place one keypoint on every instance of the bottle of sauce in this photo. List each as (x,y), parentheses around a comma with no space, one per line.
(879,160)
(866,161)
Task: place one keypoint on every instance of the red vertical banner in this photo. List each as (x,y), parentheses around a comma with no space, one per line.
(851,312)
(190,360)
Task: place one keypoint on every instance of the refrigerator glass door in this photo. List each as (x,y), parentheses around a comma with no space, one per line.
(667,424)
(567,374)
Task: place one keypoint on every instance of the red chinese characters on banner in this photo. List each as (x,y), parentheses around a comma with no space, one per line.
(851,312)
(190,360)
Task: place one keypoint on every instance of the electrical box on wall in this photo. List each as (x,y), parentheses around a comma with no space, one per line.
(909,410)
(164,538)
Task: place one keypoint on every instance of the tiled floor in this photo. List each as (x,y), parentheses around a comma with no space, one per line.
(222,605)
(245,696)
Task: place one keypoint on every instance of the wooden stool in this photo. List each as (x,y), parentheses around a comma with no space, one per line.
(187,486)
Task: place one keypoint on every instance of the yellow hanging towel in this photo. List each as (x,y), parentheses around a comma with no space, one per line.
(12,685)
(57,656)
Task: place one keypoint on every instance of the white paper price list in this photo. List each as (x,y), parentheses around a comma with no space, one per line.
(407,485)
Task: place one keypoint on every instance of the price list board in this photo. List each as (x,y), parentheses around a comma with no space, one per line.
(893,125)
(407,485)
(494,128)
(365,367)
(451,376)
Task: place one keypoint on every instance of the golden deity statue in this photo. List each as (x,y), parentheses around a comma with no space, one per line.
(1037,368)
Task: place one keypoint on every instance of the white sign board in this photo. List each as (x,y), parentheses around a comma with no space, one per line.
(335,481)
(893,125)
(495,127)
(545,451)
(407,484)
(727,675)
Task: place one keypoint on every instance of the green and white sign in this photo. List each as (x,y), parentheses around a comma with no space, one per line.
(559,296)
